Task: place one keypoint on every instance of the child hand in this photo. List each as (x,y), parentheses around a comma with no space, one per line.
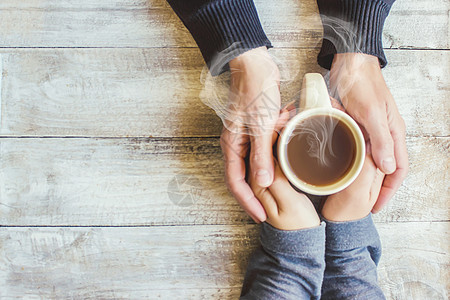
(357,200)
(286,208)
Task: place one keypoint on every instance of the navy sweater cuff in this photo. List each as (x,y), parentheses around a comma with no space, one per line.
(224,29)
(293,242)
(352,26)
(342,236)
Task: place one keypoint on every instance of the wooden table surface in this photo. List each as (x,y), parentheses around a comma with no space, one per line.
(111,173)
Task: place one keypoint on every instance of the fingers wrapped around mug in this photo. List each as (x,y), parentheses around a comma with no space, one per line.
(286,208)
(357,200)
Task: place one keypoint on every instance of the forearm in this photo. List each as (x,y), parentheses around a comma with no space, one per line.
(288,265)
(222,29)
(352,26)
(353,250)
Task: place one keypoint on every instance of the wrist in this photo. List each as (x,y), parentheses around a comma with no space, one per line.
(257,64)
(249,57)
(344,207)
(354,61)
(297,213)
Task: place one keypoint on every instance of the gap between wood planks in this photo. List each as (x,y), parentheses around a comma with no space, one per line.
(141,137)
(184,47)
(1,77)
(187,225)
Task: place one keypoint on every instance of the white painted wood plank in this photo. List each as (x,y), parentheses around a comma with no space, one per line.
(61,181)
(155,92)
(420,84)
(124,263)
(120,92)
(140,23)
(111,92)
(411,21)
(425,192)
(91,24)
(178,262)
(415,262)
(113,182)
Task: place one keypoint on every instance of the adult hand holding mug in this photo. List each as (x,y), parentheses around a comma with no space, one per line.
(357,79)
(254,107)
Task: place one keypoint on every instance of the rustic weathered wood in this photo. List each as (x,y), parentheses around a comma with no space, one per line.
(124,263)
(155,92)
(415,261)
(143,23)
(71,156)
(62,181)
(418,24)
(201,262)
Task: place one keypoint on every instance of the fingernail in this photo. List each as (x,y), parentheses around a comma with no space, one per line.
(263,178)
(255,219)
(389,165)
(259,217)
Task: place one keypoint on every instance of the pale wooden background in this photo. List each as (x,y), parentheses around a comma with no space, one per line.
(100,113)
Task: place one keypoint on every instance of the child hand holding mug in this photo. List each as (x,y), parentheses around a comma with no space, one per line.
(302,257)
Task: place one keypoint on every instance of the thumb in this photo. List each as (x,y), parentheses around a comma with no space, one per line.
(381,141)
(261,159)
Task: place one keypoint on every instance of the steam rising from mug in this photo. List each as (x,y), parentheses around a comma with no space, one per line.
(319,137)
(236,110)
(257,115)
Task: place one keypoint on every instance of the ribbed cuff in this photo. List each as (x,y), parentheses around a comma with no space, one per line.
(341,236)
(293,242)
(352,26)
(224,29)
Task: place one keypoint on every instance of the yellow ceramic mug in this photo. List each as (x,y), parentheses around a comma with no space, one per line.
(314,102)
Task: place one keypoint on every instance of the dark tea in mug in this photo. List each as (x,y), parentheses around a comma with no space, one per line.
(321,150)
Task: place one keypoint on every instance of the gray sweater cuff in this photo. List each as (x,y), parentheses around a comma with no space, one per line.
(342,236)
(293,242)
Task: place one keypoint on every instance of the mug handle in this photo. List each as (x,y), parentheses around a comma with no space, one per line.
(314,92)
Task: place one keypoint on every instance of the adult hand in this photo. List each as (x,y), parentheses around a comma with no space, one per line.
(252,113)
(358,81)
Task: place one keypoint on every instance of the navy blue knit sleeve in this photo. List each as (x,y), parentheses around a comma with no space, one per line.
(352,26)
(222,29)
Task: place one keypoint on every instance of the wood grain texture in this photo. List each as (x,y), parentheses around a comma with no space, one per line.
(201,262)
(62,181)
(418,24)
(142,23)
(131,92)
(415,261)
(113,133)
(174,262)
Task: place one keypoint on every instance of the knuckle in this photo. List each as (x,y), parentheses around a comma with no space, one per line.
(232,187)
(388,143)
(401,125)
(277,180)
(223,139)
(258,155)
